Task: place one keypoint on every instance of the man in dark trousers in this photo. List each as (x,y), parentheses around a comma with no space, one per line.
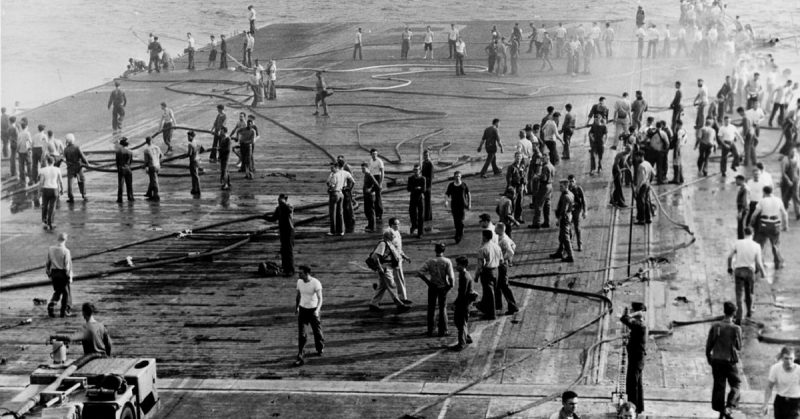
(744,264)
(491,138)
(284,216)
(676,107)
(578,209)
(505,210)
(462,302)
(722,352)
(247,138)
(368,190)
(597,139)
(516,181)
(194,167)
(742,205)
(502,290)
(152,162)
(223,53)
(637,351)
(348,210)
(641,180)
(75,161)
(541,210)
(489,259)
(59,270)
(564,212)
(216,129)
(427,173)
(307,306)
(438,274)
(619,170)
(124,159)
(118,101)
(154,48)
(416,203)
(224,147)
(725,96)
(567,129)
(458,198)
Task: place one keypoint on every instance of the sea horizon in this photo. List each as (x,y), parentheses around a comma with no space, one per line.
(78,47)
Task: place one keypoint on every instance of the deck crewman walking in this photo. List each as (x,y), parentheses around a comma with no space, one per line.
(491,138)
(117,102)
(308,305)
(75,161)
(564,212)
(722,352)
(284,216)
(59,270)
(767,220)
(744,263)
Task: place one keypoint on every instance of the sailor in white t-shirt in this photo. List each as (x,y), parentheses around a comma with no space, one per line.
(784,378)
(756,186)
(744,263)
(51,188)
(307,308)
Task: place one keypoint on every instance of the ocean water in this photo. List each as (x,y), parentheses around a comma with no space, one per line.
(53,48)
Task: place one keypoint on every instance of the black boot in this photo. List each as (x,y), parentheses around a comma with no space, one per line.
(51,309)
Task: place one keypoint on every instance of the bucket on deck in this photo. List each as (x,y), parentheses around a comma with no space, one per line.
(59,352)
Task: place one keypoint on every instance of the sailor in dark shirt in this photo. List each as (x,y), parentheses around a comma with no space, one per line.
(124,159)
(578,209)
(368,190)
(75,161)
(600,110)
(224,148)
(118,101)
(219,124)
(284,216)
(427,173)
(637,351)
(223,53)
(193,165)
(676,106)
(459,199)
(491,138)
(742,205)
(722,352)
(416,186)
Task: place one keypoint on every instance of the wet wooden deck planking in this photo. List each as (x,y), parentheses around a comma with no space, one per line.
(219,319)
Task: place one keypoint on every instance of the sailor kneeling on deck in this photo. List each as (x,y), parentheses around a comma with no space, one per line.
(93,335)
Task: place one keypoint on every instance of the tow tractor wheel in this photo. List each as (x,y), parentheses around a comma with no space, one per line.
(127,413)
